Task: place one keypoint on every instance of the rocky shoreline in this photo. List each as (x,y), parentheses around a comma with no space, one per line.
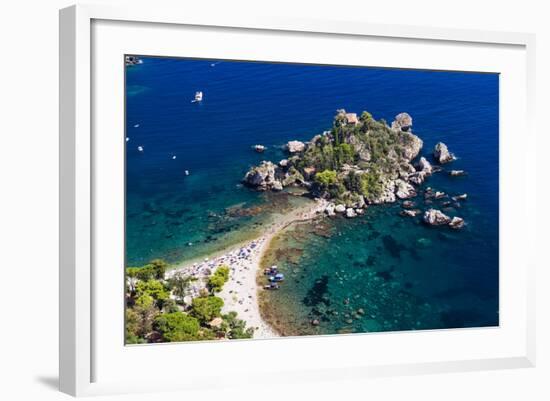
(362,162)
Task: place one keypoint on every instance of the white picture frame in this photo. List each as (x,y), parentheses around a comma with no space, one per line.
(79,343)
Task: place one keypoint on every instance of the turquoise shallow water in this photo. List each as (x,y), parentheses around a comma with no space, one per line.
(402,274)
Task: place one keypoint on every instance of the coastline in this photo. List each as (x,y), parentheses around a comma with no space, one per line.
(241,292)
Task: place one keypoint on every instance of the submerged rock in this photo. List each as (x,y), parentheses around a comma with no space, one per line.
(460,197)
(409,212)
(436,217)
(442,154)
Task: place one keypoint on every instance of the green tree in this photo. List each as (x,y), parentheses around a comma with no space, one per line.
(218,278)
(154,289)
(152,270)
(158,267)
(177,326)
(133,323)
(206,308)
(139,319)
(179,284)
(344,153)
(236,328)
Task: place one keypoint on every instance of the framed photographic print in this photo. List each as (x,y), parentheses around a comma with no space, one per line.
(310,199)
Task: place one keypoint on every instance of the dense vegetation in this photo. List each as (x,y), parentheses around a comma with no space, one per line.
(156,310)
(353,159)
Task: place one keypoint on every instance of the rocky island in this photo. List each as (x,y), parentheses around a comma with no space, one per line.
(359,162)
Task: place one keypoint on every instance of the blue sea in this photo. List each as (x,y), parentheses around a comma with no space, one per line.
(378,272)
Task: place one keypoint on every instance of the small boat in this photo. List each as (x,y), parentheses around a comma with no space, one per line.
(277,278)
(127,139)
(198,97)
(140,148)
(174,157)
(186,172)
(136,125)
(259,148)
(271,286)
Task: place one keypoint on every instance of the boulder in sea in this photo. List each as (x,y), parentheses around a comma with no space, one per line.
(457,173)
(329,209)
(408,204)
(340,208)
(409,212)
(350,213)
(456,223)
(442,154)
(283,162)
(439,195)
(460,197)
(436,217)
(295,146)
(262,177)
(402,122)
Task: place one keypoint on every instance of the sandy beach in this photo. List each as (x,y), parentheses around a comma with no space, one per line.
(240,293)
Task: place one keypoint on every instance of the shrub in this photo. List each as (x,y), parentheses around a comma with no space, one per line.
(326,178)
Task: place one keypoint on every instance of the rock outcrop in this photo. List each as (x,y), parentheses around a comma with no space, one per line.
(262,177)
(402,122)
(442,154)
(295,146)
(411,145)
(425,166)
(436,217)
(404,190)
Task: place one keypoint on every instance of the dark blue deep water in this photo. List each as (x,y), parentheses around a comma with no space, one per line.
(400,273)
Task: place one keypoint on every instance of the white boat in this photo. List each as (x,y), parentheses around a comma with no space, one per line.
(259,148)
(186,172)
(173,157)
(140,148)
(198,96)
